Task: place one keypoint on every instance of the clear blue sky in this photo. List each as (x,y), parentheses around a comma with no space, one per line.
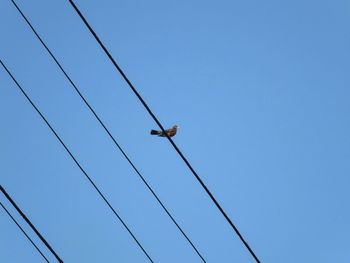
(260,89)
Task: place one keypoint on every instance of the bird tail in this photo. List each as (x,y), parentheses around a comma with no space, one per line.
(154,132)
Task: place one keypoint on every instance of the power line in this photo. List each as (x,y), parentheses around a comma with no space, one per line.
(162,128)
(77,163)
(108,132)
(29,223)
(31,241)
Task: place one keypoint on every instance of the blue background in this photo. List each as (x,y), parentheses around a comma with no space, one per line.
(260,90)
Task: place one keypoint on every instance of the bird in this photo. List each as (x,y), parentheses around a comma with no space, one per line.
(171,132)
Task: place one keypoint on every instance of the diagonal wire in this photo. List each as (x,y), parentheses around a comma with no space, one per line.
(162,128)
(30,240)
(77,163)
(108,132)
(29,222)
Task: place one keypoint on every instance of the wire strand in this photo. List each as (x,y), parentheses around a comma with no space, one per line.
(77,163)
(24,233)
(163,130)
(108,132)
(30,223)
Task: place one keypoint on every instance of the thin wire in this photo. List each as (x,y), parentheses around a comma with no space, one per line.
(108,132)
(162,128)
(77,163)
(31,241)
(29,222)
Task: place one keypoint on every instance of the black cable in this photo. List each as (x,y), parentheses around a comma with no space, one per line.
(163,130)
(30,223)
(77,163)
(108,132)
(31,241)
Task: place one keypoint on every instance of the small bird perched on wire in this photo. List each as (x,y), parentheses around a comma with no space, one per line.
(171,132)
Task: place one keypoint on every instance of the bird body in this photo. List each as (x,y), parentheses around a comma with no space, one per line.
(171,132)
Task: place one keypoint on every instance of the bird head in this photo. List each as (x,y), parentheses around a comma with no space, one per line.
(175,127)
